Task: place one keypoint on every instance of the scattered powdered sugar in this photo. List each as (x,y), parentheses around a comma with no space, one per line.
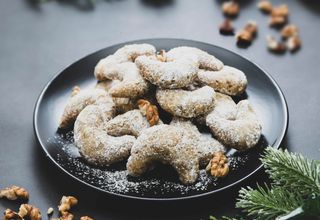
(115,179)
(158,183)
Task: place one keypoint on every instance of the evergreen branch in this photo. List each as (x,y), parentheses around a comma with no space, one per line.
(292,171)
(267,203)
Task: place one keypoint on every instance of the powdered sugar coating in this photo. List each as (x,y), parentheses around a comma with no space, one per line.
(206,145)
(127,53)
(131,83)
(122,105)
(79,101)
(242,132)
(202,58)
(95,145)
(186,104)
(224,107)
(130,123)
(120,66)
(228,80)
(169,145)
(170,75)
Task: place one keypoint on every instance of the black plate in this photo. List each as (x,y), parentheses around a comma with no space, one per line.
(162,183)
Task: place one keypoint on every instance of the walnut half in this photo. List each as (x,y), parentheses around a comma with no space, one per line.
(14,193)
(149,110)
(29,211)
(218,165)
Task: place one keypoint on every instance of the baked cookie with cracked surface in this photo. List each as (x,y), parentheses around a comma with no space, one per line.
(122,105)
(170,74)
(224,106)
(228,80)
(78,101)
(130,123)
(186,104)
(120,66)
(131,83)
(241,132)
(166,144)
(127,53)
(206,144)
(95,145)
(203,59)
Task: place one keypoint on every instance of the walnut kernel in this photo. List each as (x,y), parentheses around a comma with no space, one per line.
(226,28)
(231,8)
(218,165)
(289,30)
(14,193)
(265,6)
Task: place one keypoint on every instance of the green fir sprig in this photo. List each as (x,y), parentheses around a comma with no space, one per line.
(294,180)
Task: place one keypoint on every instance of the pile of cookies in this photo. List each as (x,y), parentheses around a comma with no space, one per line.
(147,107)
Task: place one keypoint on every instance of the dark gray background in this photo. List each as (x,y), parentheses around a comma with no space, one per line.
(37,41)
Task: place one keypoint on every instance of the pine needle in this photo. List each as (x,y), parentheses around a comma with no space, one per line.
(265,203)
(292,171)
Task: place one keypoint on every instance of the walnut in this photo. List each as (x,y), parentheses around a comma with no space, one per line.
(11,215)
(275,46)
(279,15)
(281,10)
(66,216)
(231,8)
(29,211)
(289,30)
(14,193)
(277,20)
(86,218)
(75,91)
(293,43)
(162,56)
(66,203)
(149,110)
(226,28)
(50,211)
(265,6)
(218,165)
(248,33)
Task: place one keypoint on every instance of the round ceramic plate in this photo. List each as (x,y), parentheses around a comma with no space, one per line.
(161,183)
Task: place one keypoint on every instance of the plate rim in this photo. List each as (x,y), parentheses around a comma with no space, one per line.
(276,145)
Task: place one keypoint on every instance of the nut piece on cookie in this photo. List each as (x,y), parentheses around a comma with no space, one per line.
(228,80)
(130,123)
(203,59)
(149,110)
(241,132)
(186,104)
(166,144)
(170,74)
(79,101)
(95,145)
